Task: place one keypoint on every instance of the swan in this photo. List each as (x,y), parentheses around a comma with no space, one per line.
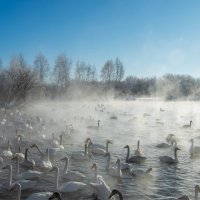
(138,151)
(25,184)
(168,159)
(102,190)
(166,145)
(141,173)
(194,149)
(29,174)
(71,186)
(114,192)
(26,162)
(81,156)
(95,145)
(123,166)
(71,175)
(133,159)
(187,125)
(20,154)
(100,151)
(45,164)
(170,138)
(55,195)
(34,196)
(7,153)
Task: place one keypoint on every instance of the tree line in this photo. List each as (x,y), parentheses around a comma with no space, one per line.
(20,79)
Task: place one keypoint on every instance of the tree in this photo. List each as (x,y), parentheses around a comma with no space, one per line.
(119,71)
(41,66)
(62,70)
(108,72)
(18,61)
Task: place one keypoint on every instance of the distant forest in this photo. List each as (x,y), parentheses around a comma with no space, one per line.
(21,81)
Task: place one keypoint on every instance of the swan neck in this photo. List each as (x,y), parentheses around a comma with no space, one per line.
(108,162)
(10,176)
(17,166)
(175,155)
(40,150)
(128,152)
(118,169)
(60,140)
(19,193)
(26,154)
(107,147)
(66,167)
(196,194)
(120,195)
(95,174)
(56,179)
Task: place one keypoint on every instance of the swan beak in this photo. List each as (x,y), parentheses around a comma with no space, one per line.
(106,155)
(5,167)
(93,166)
(178,148)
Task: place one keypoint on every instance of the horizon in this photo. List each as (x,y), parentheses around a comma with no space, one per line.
(151,38)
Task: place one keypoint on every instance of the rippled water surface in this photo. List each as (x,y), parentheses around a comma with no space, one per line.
(136,120)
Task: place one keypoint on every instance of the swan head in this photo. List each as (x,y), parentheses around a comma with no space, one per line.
(34,145)
(16,186)
(94,166)
(149,170)
(27,150)
(55,195)
(192,140)
(114,192)
(197,188)
(7,167)
(176,149)
(108,141)
(55,168)
(107,155)
(66,159)
(126,147)
(118,161)
(88,140)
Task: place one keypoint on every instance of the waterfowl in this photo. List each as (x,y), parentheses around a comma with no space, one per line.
(81,156)
(133,159)
(71,186)
(170,160)
(194,149)
(141,173)
(138,151)
(27,162)
(188,125)
(100,151)
(116,192)
(55,195)
(71,175)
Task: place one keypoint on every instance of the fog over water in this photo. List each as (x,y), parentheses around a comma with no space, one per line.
(123,122)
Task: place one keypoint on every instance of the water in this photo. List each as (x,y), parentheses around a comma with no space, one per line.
(136,120)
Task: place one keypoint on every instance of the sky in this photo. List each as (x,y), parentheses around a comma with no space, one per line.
(151,37)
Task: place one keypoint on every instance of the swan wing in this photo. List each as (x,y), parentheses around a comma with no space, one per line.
(73,175)
(40,196)
(71,186)
(167,159)
(26,184)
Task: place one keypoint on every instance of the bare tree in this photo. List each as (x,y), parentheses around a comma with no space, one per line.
(108,72)
(41,67)
(119,71)
(18,61)
(62,70)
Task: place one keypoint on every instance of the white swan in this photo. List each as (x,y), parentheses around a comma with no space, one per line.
(123,166)
(71,175)
(7,153)
(170,138)
(194,149)
(138,151)
(187,125)
(102,190)
(34,196)
(20,154)
(141,173)
(27,162)
(168,159)
(114,192)
(25,184)
(95,145)
(81,156)
(71,186)
(133,159)
(45,164)
(29,174)
(100,151)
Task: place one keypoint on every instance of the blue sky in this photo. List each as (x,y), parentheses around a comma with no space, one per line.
(151,37)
